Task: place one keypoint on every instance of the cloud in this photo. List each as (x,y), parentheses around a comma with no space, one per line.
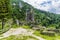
(46,5)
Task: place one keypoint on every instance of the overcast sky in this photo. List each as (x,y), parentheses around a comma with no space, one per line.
(47,5)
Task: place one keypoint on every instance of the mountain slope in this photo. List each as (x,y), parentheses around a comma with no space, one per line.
(41,17)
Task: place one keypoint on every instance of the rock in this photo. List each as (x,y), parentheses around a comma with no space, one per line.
(54,30)
(57,30)
(36,28)
(49,33)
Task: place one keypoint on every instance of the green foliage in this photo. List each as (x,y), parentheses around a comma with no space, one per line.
(46,18)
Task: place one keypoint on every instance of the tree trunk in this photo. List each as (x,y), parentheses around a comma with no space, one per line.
(3,23)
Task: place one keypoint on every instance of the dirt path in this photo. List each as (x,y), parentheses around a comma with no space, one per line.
(18,31)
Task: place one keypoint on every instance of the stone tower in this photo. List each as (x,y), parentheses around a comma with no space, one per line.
(29,15)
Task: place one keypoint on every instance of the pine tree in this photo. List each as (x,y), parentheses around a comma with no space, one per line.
(4,10)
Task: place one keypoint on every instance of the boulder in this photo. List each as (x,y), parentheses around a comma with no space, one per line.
(57,30)
(49,33)
(54,30)
(36,28)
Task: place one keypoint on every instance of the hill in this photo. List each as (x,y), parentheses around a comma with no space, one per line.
(41,17)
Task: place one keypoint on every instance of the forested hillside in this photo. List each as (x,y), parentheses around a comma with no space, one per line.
(40,17)
(23,13)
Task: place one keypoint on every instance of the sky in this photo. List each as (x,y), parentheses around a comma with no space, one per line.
(46,5)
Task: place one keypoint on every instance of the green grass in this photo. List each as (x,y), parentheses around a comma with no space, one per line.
(47,37)
(6,28)
(26,27)
(19,37)
(15,26)
(23,26)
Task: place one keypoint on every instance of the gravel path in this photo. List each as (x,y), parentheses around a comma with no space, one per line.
(18,31)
